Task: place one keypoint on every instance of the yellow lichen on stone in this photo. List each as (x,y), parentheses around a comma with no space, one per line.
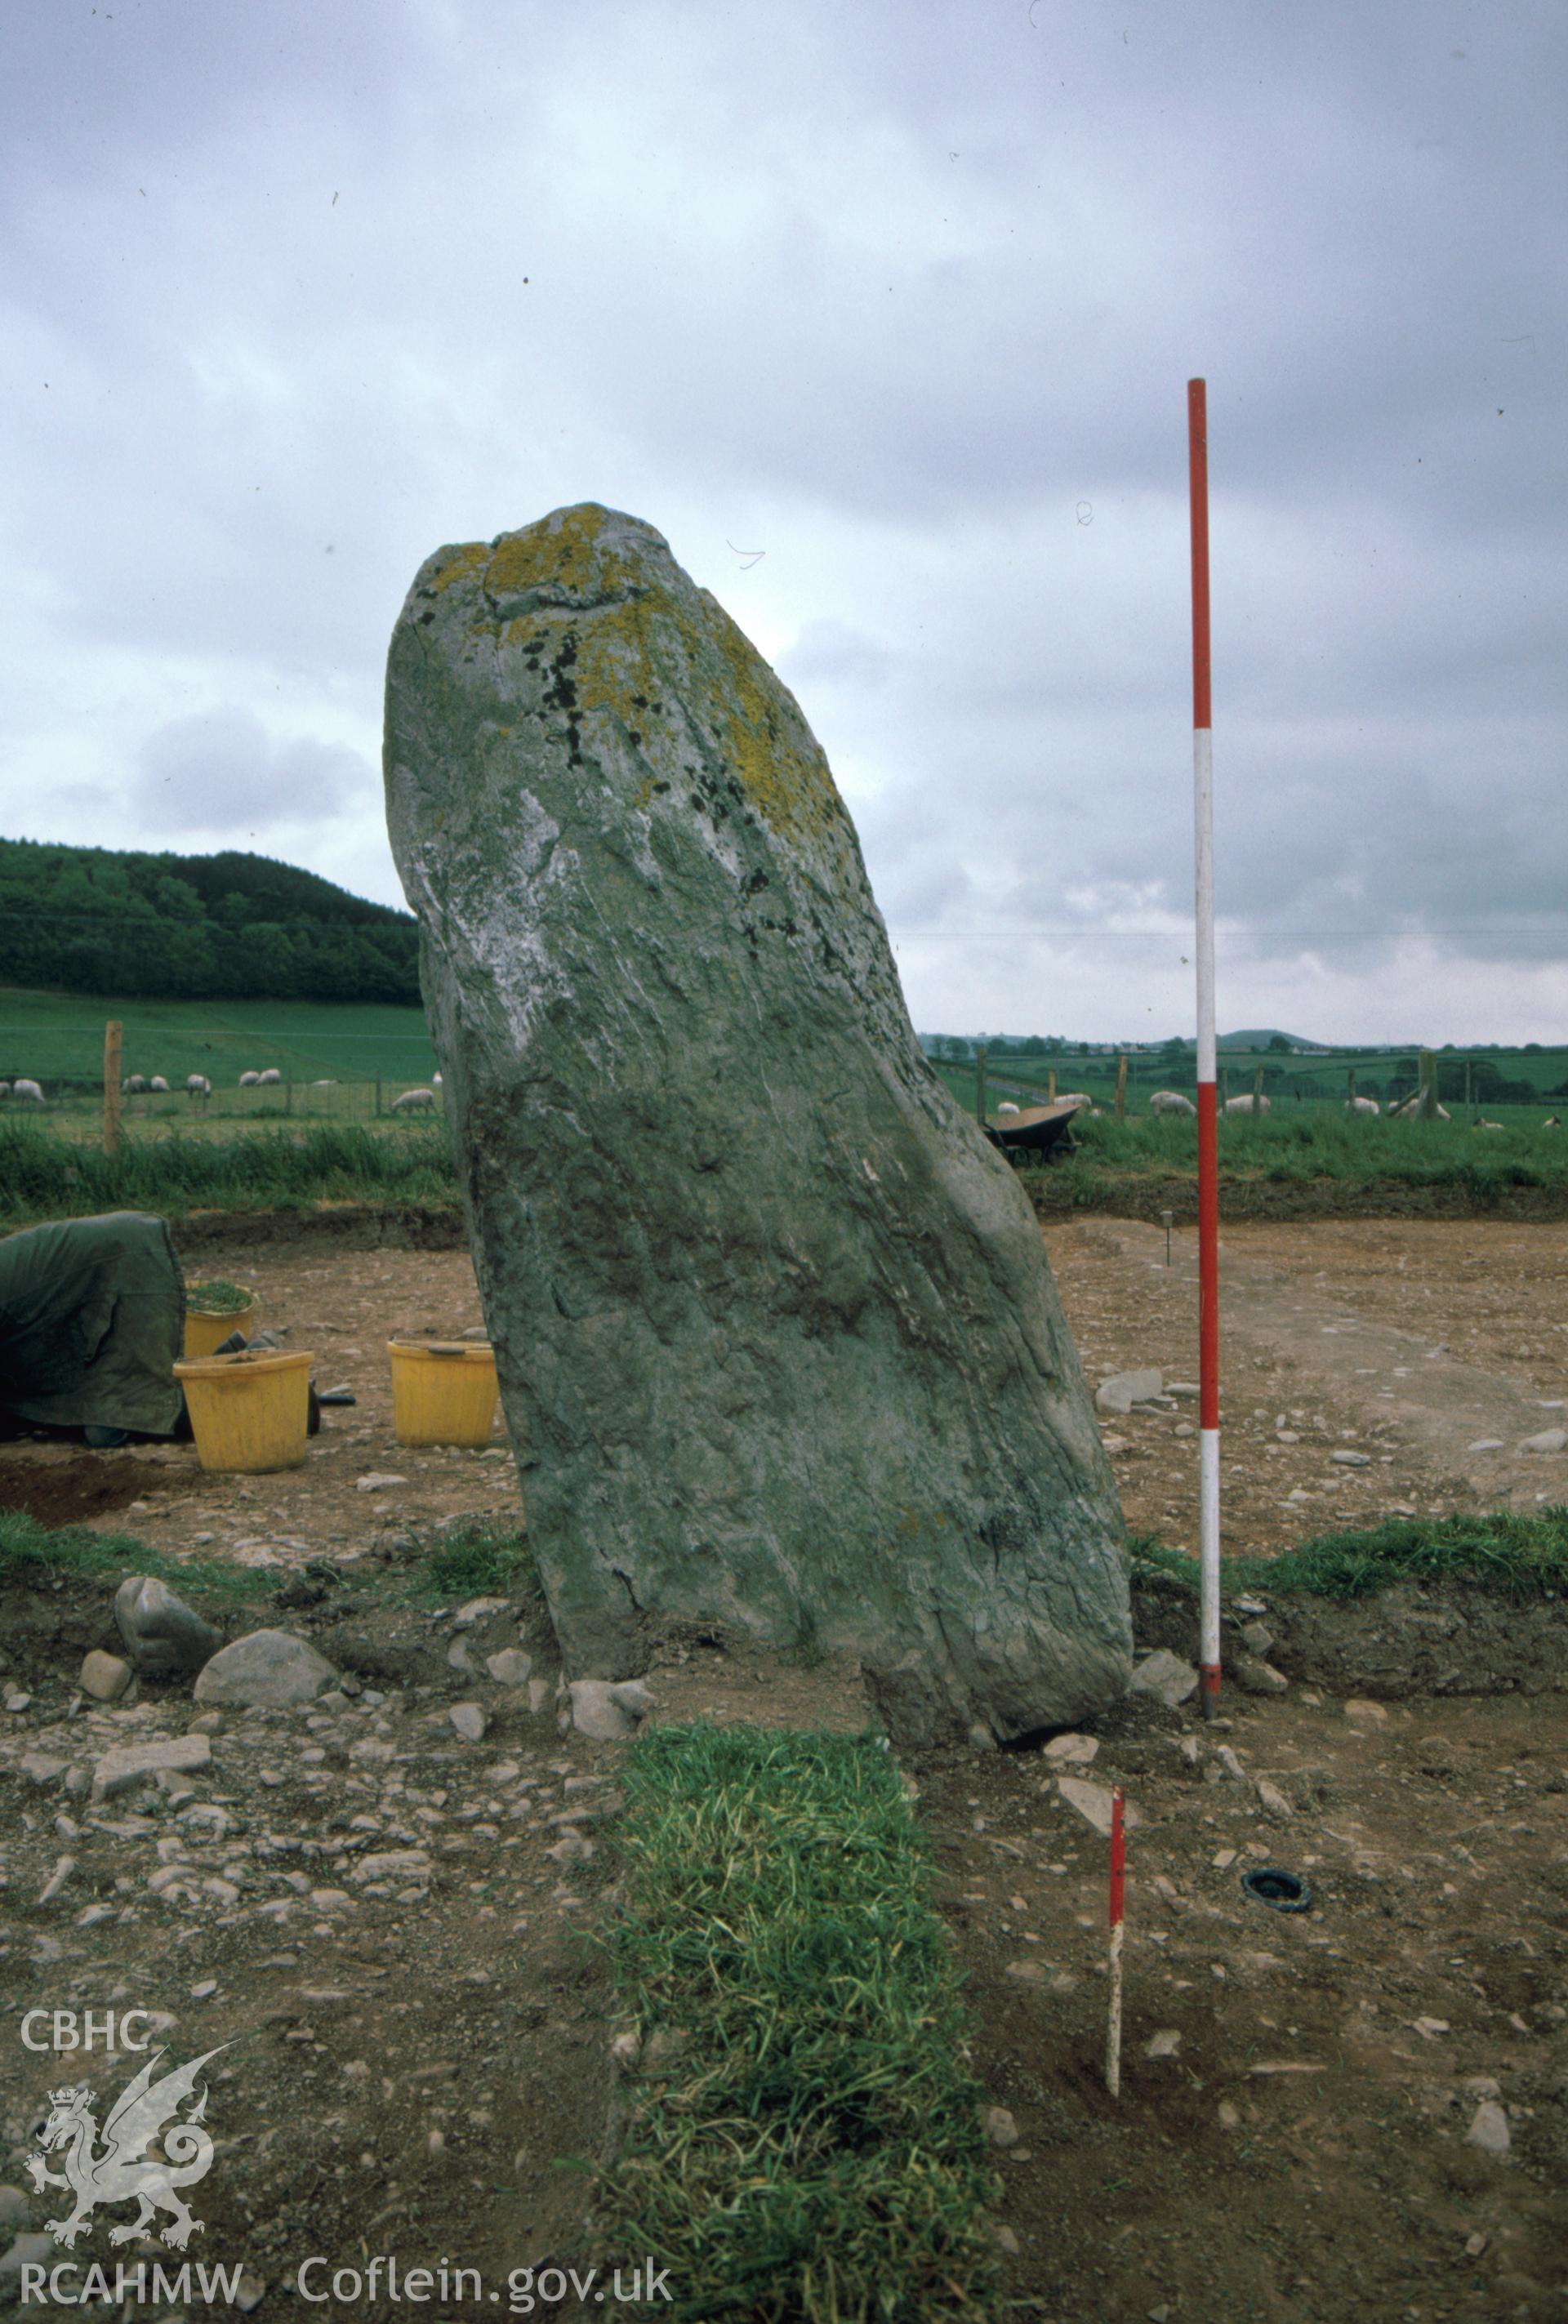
(614,663)
(565,550)
(463,558)
(792,788)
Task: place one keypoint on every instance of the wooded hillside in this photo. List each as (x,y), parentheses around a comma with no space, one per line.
(228,927)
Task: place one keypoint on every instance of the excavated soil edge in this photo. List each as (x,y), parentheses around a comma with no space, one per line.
(1307,1199)
(1411,1640)
(340,1226)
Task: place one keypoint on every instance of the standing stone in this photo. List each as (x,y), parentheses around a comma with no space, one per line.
(778,1341)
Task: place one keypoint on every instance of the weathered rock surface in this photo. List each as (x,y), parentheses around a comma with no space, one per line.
(267,1670)
(778,1342)
(163,1634)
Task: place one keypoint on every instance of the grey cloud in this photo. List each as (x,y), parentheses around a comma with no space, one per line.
(221,772)
(902,285)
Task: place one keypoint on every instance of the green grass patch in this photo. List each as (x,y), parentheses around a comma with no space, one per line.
(31,1554)
(46,1176)
(485,1558)
(1519,1556)
(815,2155)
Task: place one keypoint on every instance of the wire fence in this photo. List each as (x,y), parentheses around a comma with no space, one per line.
(74,1104)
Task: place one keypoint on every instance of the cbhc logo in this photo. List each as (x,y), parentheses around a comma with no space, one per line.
(64,2033)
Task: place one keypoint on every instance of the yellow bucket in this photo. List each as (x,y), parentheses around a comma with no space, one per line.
(444,1391)
(206,1329)
(249,1411)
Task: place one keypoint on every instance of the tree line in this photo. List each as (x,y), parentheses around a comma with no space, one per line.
(227,926)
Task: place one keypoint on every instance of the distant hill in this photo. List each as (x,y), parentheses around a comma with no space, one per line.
(1261,1040)
(228,927)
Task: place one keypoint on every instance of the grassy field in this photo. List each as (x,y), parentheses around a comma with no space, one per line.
(51,1037)
(52,1167)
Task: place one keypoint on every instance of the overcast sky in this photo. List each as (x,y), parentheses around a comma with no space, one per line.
(884,315)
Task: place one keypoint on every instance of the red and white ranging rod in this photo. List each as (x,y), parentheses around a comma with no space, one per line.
(1208,1090)
(1113,1955)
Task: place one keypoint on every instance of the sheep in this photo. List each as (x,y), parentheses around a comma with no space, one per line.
(28,1090)
(1362,1105)
(1553,1121)
(1007,1107)
(249,1081)
(1248,1105)
(324,1084)
(1075,1097)
(413,1098)
(1417,1107)
(272,1074)
(197,1085)
(435,1078)
(158,1082)
(1170,1101)
(1488,1125)
(132,1084)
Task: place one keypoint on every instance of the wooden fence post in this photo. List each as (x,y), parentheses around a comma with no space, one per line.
(1469,1085)
(980,1085)
(111,1037)
(1121,1089)
(1051,1087)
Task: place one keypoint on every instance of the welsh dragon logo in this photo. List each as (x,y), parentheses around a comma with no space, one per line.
(120,2171)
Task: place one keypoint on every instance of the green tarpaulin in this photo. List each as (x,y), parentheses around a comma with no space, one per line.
(92,1320)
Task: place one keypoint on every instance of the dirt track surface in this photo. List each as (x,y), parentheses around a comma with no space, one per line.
(418,2047)
(1411,1342)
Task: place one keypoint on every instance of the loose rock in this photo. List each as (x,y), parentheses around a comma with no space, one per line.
(163,1635)
(104,1676)
(1167,1676)
(1093,1802)
(469,1721)
(133,1763)
(1122,1390)
(1257,1677)
(1490,2130)
(608,1709)
(268,1670)
(510,1667)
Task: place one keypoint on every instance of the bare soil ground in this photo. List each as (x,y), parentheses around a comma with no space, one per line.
(418,2046)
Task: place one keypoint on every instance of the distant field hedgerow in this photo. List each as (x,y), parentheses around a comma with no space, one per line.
(43,1176)
(1124,1166)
